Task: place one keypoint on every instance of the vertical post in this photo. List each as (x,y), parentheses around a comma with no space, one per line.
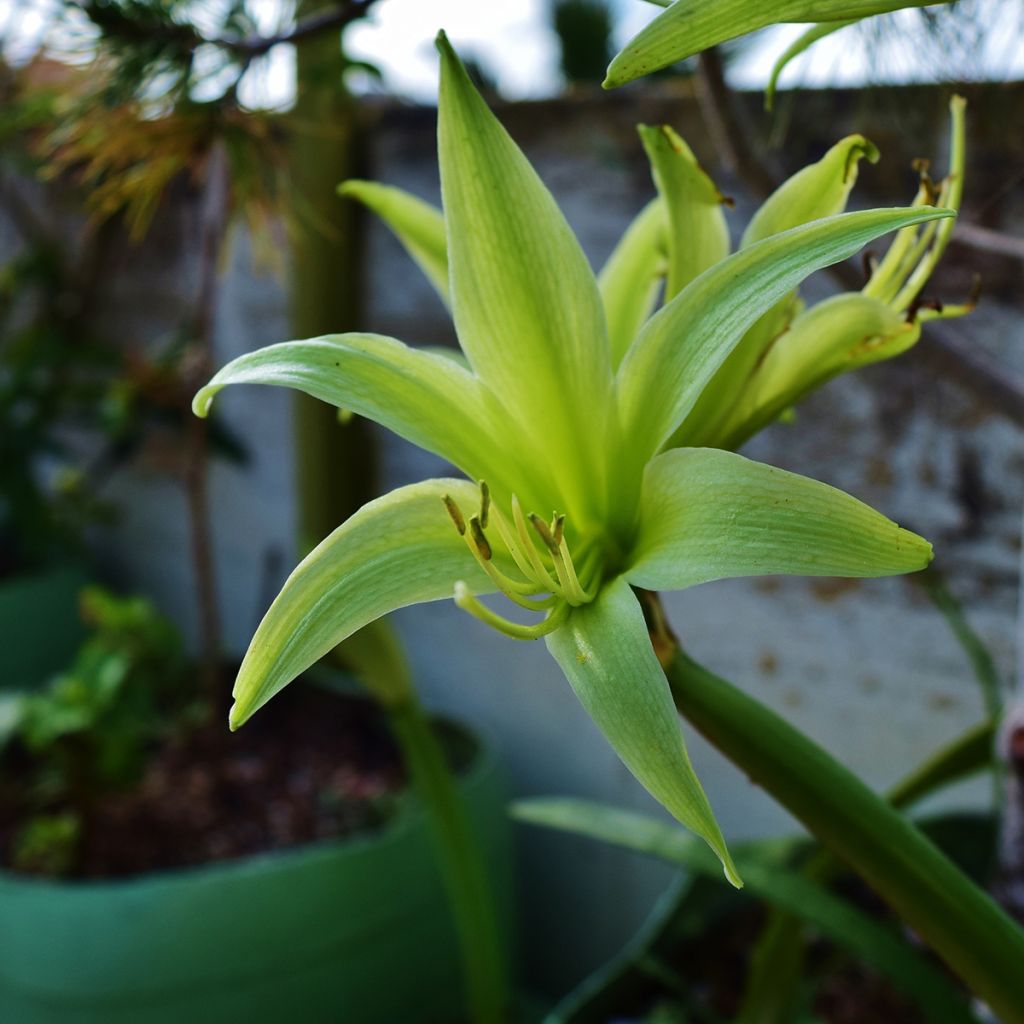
(334,461)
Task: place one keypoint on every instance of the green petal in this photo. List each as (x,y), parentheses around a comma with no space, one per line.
(606,654)
(417,225)
(426,398)
(818,190)
(840,334)
(709,515)
(526,306)
(683,345)
(399,550)
(698,235)
(629,280)
(688,26)
(800,45)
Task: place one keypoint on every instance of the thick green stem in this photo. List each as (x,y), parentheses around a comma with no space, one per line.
(466,877)
(959,921)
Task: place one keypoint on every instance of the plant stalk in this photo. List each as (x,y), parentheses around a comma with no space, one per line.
(956,918)
(464,870)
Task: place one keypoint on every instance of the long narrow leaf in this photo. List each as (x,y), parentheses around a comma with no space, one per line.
(850,928)
(688,26)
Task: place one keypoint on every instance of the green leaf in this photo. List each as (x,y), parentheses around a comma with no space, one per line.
(630,278)
(606,654)
(399,550)
(525,302)
(417,225)
(424,397)
(800,45)
(817,190)
(698,236)
(851,929)
(960,921)
(689,26)
(707,514)
(683,345)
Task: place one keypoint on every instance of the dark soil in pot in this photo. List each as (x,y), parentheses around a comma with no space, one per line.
(317,765)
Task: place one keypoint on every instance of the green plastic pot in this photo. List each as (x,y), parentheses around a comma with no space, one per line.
(40,626)
(348,932)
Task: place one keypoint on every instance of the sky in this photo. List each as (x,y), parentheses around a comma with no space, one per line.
(512,40)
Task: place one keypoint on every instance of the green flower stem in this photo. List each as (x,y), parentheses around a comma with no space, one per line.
(959,921)
(462,863)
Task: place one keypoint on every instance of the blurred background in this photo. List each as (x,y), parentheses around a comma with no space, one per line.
(167,202)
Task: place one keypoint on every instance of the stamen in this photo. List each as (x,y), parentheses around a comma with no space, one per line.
(468,603)
(479,538)
(455,512)
(562,585)
(485,502)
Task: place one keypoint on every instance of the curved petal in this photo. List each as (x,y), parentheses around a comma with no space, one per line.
(629,279)
(426,398)
(399,550)
(709,515)
(525,302)
(606,654)
(817,190)
(688,26)
(684,344)
(698,236)
(840,334)
(415,223)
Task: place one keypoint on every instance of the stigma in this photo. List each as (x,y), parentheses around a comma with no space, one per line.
(548,582)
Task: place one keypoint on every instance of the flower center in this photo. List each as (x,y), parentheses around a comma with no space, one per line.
(549,570)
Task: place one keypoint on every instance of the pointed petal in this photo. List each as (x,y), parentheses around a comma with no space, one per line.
(399,550)
(417,225)
(688,26)
(709,515)
(818,190)
(606,654)
(526,305)
(683,345)
(629,280)
(835,336)
(698,236)
(425,398)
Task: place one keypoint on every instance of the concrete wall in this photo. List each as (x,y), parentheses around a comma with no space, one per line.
(868,668)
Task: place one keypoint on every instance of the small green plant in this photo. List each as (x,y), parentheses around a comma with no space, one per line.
(90,731)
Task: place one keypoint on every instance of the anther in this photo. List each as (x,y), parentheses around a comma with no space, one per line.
(485,503)
(455,513)
(544,532)
(479,538)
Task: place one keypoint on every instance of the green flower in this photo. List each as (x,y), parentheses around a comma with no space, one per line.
(553,411)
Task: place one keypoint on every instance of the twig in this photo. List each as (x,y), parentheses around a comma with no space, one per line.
(255,46)
(986,240)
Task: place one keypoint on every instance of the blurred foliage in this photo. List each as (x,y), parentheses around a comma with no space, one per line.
(584,30)
(90,730)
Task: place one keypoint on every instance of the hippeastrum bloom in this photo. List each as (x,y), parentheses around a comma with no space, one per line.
(788,351)
(549,413)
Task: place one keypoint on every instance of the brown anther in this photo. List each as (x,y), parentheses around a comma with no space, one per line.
(485,503)
(559,530)
(455,513)
(544,531)
(480,541)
